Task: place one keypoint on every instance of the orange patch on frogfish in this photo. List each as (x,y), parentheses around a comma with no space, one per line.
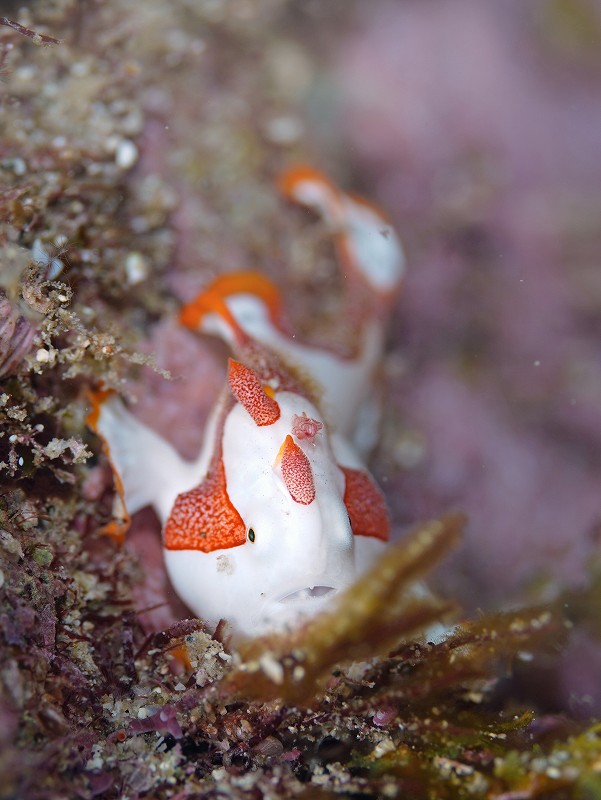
(116,528)
(297,472)
(204,518)
(96,398)
(208,302)
(366,505)
(249,391)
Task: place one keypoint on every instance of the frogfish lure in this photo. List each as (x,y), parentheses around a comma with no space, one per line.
(278,513)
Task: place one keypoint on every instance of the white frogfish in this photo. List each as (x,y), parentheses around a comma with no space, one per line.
(278,513)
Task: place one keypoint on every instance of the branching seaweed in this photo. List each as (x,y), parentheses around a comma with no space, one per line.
(374,614)
(36,38)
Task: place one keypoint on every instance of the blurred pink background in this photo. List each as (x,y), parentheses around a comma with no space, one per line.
(477,125)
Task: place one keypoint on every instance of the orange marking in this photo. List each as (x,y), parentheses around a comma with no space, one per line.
(278,458)
(208,302)
(328,205)
(371,206)
(366,505)
(331,209)
(205,518)
(248,390)
(332,205)
(180,655)
(212,300)
(289,180)
(116,528)
(297,472)
(96,398)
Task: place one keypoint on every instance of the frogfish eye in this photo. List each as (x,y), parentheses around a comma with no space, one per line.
(251,535)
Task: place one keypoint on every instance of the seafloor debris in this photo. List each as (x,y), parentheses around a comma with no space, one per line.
(36,38)
(16,336)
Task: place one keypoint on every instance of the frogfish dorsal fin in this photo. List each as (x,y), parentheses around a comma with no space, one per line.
(249,391)
(366,505)
(205,518)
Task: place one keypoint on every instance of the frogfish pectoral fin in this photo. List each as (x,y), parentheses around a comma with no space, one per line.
(146,468)
(367,245)
(214,301)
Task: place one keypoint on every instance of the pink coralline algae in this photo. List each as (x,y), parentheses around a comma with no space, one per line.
(494,175)
(384,716)
(164,722)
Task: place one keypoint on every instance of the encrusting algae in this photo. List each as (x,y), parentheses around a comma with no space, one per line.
(94,702)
